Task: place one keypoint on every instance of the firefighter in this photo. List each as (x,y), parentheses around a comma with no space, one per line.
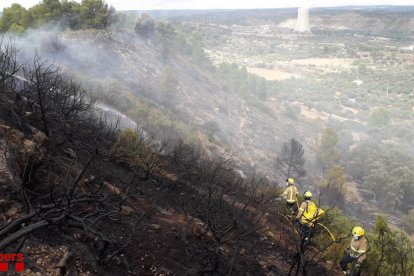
(291,196)
(356,252)
(307,217)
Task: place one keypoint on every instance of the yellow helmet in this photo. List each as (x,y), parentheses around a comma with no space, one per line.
(307,195)
(290,180)
(358,231)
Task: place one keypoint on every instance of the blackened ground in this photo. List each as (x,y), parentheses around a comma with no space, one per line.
(164,243)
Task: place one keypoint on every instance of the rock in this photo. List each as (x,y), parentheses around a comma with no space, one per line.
(126,210)
(29,146)
(155,226)
(264,265)
(6,176)
(12,212)
(164,212)
(223,249)
(3,217)
(39,137)
(70,152)
(112,187)
(89,179)
(9,165)
(14,152)
(200,228)
(270,234)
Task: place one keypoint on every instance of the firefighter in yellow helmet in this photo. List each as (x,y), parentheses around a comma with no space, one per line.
(308,215)
(291,196)
(356,252)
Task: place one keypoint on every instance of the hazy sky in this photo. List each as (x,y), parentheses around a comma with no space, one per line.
(222,4)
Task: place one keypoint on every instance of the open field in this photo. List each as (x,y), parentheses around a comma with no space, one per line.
(271,74)
(344,62)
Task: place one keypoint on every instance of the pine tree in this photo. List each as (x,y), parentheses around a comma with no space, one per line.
(327,154)
(292,157)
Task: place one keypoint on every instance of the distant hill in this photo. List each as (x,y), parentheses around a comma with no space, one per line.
(220,16)
(377,19)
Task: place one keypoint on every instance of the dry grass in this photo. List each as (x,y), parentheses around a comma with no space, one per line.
(324,61)
(271,74)
(352,194)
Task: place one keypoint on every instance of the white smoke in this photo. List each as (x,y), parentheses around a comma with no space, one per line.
(302,24)
(113,116)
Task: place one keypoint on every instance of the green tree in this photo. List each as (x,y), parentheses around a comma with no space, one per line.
(131,147)
(165,30)
(377,180)
(96,14)
(391,252)
(196,43)
(333,186)
(128,147)
(380,243)
(360,157)
(145,27)
(408,221)
(15,15)
(385,170)
(326,152)
(71,14)
(17,29)
(46,11)
(380,117)
(89,14)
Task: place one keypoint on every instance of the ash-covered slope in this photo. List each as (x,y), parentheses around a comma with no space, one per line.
(71,203)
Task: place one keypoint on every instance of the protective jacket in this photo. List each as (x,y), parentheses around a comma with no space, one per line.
(358,248)
(291,194)
(309,213)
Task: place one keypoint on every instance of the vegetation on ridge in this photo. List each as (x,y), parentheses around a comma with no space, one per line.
(68,14)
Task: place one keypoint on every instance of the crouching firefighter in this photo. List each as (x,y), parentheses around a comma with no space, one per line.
(291,196)
(356,252)
(308,214)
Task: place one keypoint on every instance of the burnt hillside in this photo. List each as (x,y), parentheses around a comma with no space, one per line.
(80,196)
